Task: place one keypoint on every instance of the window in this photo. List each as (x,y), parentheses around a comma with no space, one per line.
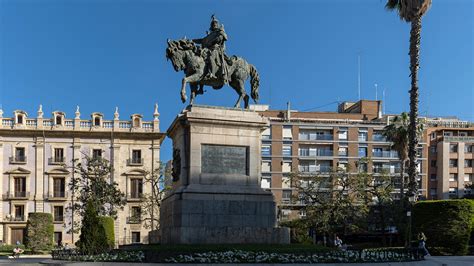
(468,163)
(433,177)
(362,135)
(285,182)
(266,166)
(136,237)
(136,188)
(304,135)
(463,134)
(433,149)
(266,150)
(59,186)
(453,192)
(302,213)
(97,121)
(19,187)
(136,122)
(286,150)
(286,196)
(468,148)
(342,165)
(59,120)
(342,133)
(287,133)
(453,163)
(343,151)
(468,178)
(58,213)
(58,238)
(453,177)
(286,167)
(362,151)
(96,153)
(20,154)
(433,192)
(433,163)
(266,182)
(453,148)
(19,212)
(363,167)
(137,156)
(136,213)
(267,133)
(433,135)
(448,134)
(378,136)
(58,155)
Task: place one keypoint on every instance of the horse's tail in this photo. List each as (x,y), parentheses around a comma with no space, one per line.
(254,81)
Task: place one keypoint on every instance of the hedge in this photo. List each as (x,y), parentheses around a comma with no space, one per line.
(108,225)
(39,232)
(447,225)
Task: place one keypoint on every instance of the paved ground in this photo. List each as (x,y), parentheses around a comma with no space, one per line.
(430,261)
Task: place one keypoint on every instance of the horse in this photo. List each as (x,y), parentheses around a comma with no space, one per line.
(186,56)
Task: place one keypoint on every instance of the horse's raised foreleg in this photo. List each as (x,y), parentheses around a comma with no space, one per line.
(194,78)
(183,90)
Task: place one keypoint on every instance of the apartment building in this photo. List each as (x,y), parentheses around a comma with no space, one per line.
(318,142)
(450,157)
(36,157)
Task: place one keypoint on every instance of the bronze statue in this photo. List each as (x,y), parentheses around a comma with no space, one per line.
(208,65)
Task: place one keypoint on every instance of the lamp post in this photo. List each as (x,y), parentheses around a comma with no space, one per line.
(411,200)
(125,235)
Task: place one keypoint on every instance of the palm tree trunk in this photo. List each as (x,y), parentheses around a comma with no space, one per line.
(402,181)
(412,132)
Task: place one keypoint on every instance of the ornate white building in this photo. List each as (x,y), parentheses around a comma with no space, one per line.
(36,157)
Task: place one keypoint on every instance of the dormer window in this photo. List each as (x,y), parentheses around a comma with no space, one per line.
(20,117)
(58,120)
(97,119)
(136,120)
(58,117)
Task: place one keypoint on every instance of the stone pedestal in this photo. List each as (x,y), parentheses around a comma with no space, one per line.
(215,196)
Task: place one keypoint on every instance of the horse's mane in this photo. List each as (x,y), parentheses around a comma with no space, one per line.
(183,44)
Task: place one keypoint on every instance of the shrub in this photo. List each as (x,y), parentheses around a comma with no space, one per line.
(107,223)
(39,232)
(93,239)
(446,224)
(298,231)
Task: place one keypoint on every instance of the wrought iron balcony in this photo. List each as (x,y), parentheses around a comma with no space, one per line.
(134,220)
(56,160)
(135,161)
(58,219)
(57,195)
(18,159)
(135,196)
(16,195)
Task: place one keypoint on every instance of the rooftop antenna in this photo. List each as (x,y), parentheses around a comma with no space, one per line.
(358,74)
(376,92)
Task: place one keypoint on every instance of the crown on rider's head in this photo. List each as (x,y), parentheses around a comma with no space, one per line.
(214,20)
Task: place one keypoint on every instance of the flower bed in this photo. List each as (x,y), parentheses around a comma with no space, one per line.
(115,255)
(336,256)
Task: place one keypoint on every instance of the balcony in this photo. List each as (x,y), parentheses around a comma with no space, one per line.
(18,159)
(134,197)
(385,154)
(380,138)
(316,137)
(134,220)
(56,160)
(20,218)
(57,195)
(58,219)
(314,169)
(387,170)
(135,161)
(315,153)
(16,195)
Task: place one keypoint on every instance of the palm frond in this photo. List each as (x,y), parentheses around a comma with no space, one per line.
(392,5)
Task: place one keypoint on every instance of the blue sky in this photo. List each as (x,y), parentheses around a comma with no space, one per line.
(106,53)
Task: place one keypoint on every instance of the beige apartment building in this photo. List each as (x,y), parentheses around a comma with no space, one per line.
(318,142)
(36,157)
(451,147)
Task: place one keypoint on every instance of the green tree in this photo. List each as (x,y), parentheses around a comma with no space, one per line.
(93,184)
(93,239)
(412,11)
(39,232)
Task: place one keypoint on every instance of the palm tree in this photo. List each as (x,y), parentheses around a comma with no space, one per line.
(411,11)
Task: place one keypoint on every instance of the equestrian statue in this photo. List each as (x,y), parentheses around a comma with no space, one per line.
(204,62)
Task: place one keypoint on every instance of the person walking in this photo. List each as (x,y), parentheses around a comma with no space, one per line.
(422,244)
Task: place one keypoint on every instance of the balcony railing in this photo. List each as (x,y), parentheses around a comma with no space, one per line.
(16,195)
(387,170)
(57,195)
(379,138)
(56,160)
(322,152)
(314,169)
(20,218)
(385,154)
(316,137)
(59,218)
(18,159)
(135,196)
(135,161)
(134,219)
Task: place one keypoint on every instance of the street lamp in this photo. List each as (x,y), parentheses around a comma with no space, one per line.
(411,200)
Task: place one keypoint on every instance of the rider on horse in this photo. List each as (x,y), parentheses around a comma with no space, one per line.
(214,50)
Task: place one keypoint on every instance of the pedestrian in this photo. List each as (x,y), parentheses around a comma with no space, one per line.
(422,244)
(338,242)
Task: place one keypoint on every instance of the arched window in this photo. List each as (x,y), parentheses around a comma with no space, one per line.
(58,120)
(136,122)
(97,121)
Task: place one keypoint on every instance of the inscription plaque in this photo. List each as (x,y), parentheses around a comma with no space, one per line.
(221,159)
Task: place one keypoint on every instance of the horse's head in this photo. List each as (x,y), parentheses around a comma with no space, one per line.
(175,54)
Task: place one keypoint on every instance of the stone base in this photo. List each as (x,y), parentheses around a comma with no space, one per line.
(207,217)
(226,235)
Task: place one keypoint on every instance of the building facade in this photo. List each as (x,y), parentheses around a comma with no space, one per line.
(450,157)
(320,142)
(36,160)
